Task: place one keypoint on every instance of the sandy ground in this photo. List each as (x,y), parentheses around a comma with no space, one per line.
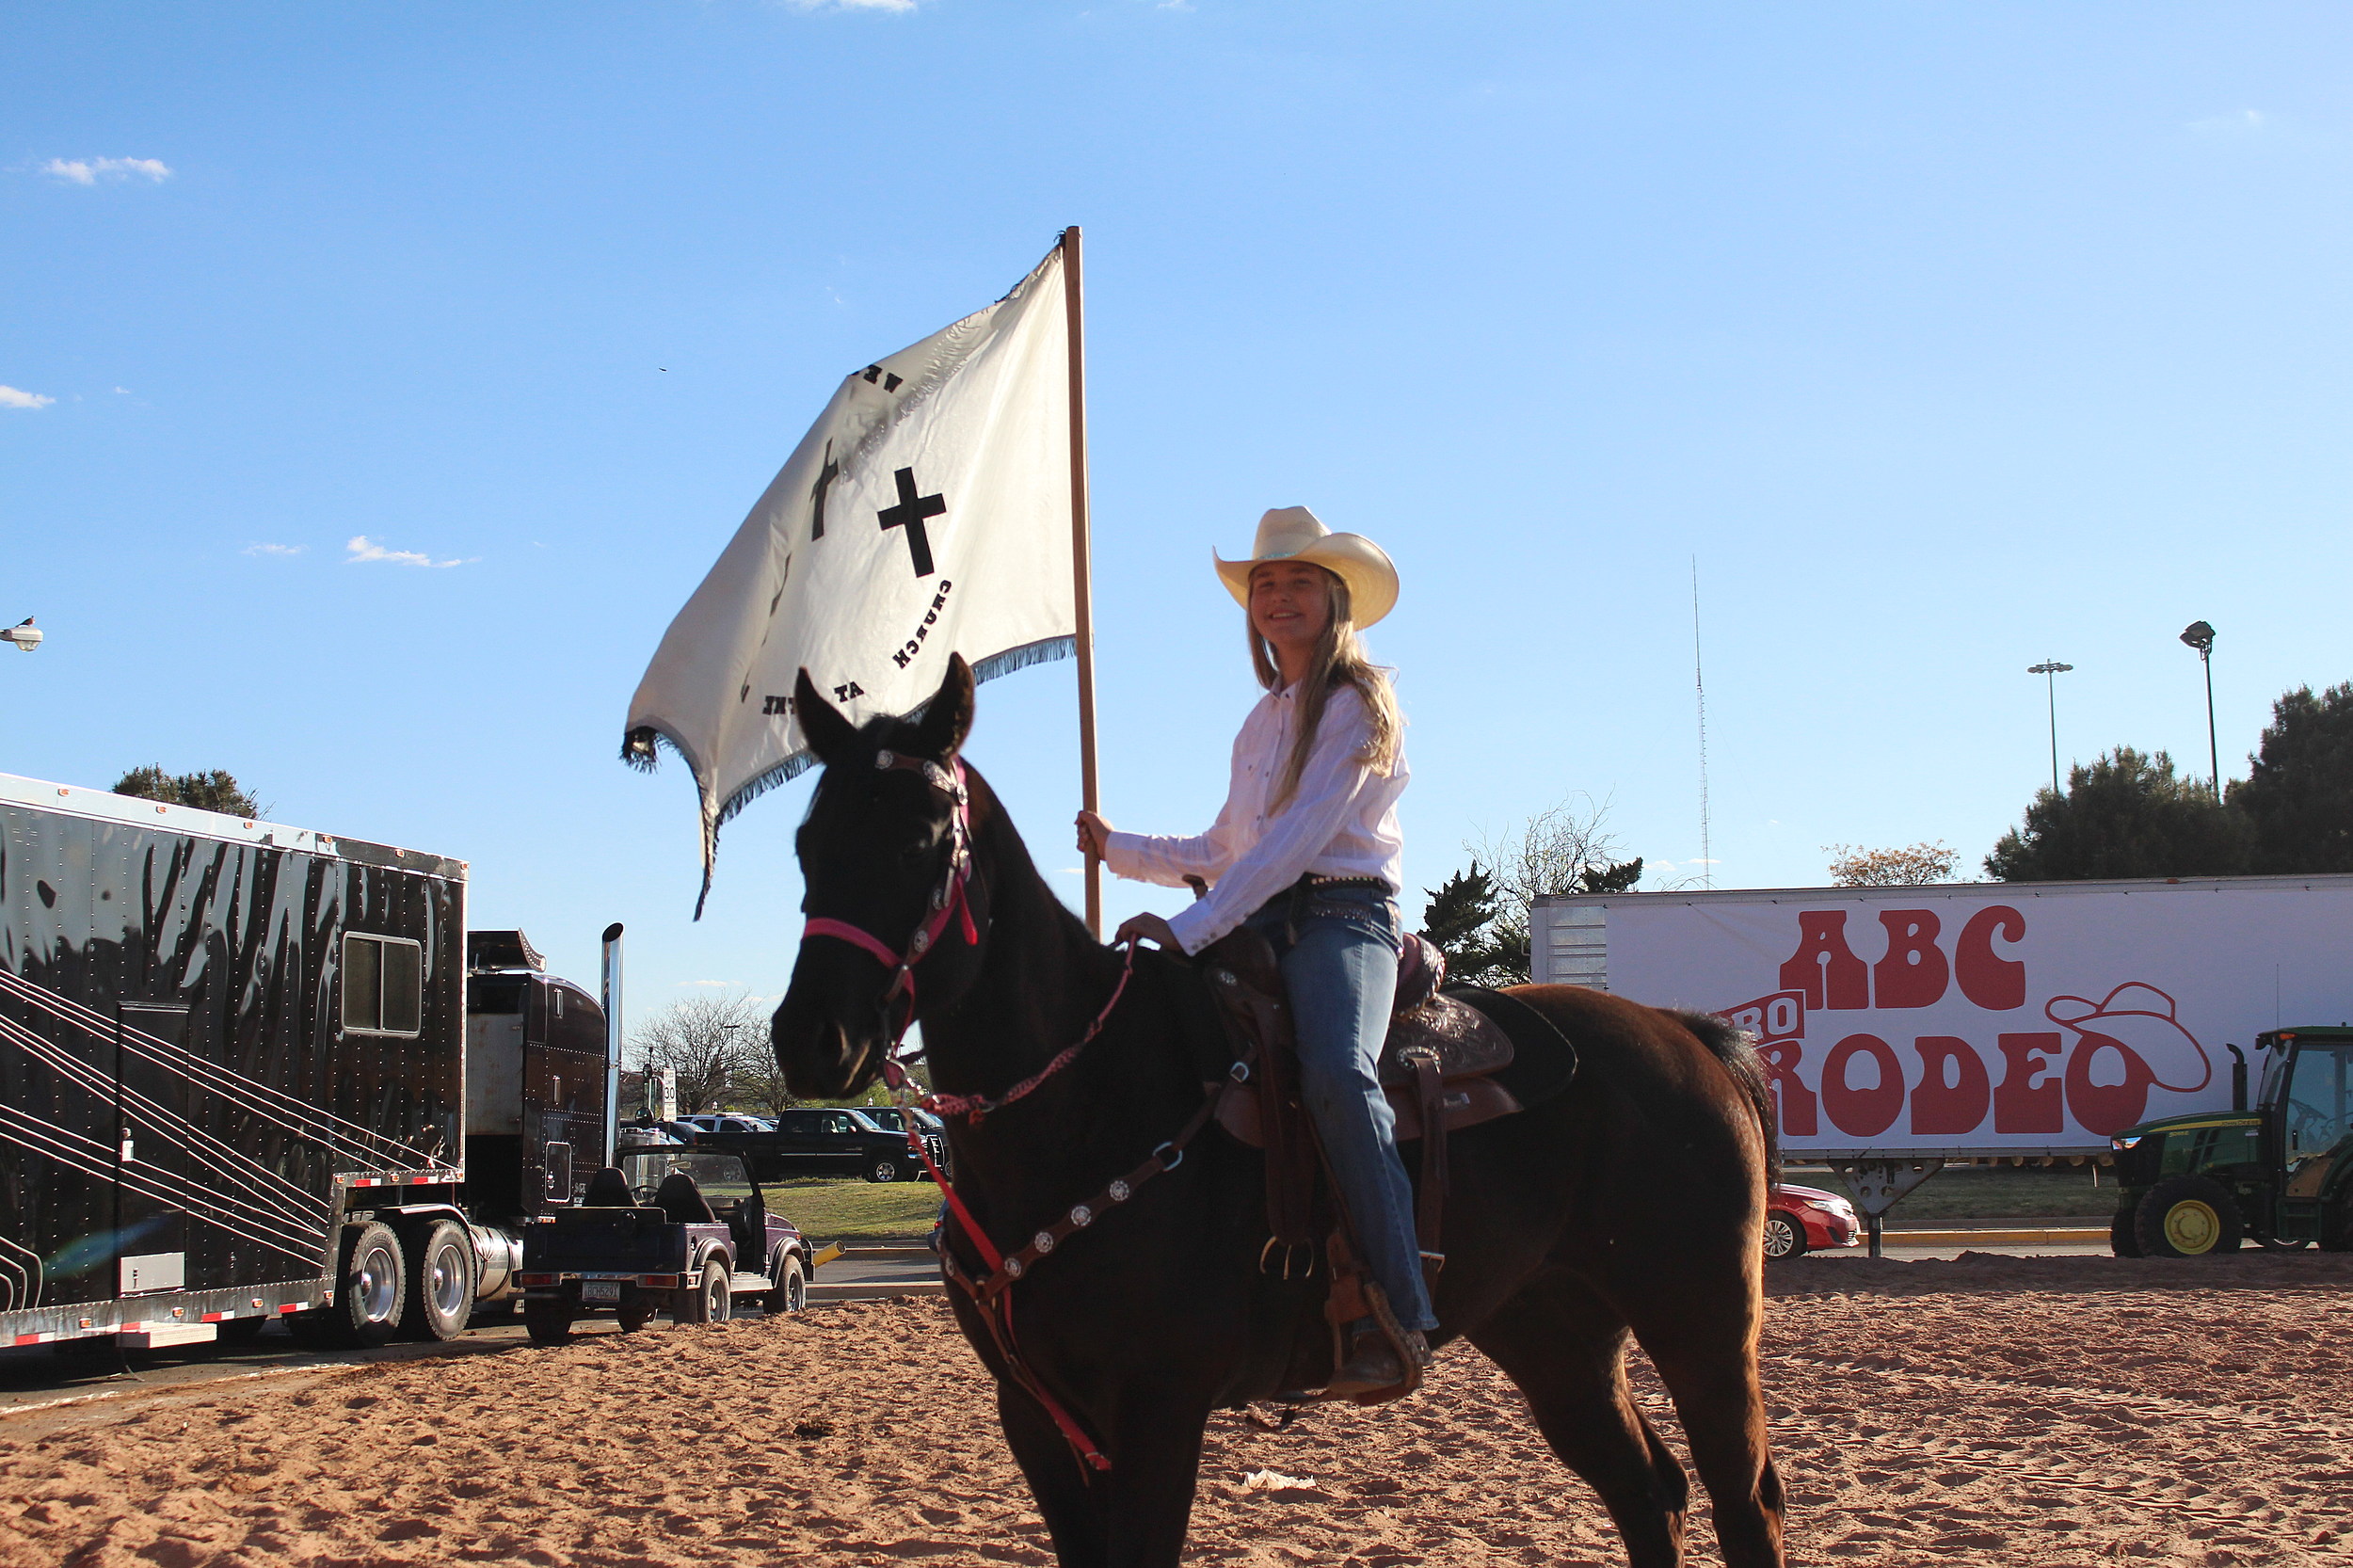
(1997,1411)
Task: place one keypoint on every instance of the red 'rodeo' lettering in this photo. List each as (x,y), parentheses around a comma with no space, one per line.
(2021,1104)
(1948,1107)
(1823,968)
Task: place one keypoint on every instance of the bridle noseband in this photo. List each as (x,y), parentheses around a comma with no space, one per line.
(948,901)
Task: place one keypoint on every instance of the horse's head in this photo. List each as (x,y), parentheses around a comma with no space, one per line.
(879,856)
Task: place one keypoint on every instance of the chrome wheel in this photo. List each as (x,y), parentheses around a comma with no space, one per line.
(449,1283)
(377,1283)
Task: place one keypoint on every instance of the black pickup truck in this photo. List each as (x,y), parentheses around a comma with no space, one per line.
(682,1230)
(819,1141)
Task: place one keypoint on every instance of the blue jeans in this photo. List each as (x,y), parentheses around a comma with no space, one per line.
(1341,978)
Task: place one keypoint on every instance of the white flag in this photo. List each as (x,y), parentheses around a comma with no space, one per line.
(926,512)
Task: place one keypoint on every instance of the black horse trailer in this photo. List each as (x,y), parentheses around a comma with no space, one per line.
(234,1079)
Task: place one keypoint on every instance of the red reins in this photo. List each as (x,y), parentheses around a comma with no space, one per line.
(949,902)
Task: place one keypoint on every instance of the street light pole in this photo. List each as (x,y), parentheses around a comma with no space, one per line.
(2199,636)
(2051,669)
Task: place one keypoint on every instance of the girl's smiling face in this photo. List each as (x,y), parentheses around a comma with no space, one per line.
(1290,604)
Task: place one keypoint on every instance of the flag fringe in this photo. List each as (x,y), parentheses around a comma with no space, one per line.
(1044,651)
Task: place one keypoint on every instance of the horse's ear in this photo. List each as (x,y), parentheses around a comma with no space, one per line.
(827,732)
(949,718)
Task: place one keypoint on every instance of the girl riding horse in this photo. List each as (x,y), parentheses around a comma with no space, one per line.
(1308,852)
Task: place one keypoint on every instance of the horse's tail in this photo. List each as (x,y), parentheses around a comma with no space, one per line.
(1735,1049)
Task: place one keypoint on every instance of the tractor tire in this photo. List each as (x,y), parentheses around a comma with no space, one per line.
(548,1322)
(2188,1216)
(2336,1226)
(710,1301)
(2121,1241)
(441,1283)
(1784,1237)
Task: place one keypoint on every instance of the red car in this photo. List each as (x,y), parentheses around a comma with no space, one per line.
(1800,1219)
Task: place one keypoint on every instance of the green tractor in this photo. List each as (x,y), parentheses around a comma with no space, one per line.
(2280,1172)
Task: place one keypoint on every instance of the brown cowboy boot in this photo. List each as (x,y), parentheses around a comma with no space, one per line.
(1374,1366)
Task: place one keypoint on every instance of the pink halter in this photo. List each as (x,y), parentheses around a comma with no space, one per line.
(948,900)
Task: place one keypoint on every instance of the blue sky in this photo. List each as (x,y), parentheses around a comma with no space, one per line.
(1945,337)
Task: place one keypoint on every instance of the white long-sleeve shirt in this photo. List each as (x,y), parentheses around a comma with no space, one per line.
(1340,822)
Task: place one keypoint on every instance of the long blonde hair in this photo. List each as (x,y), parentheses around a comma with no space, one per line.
(1338,659)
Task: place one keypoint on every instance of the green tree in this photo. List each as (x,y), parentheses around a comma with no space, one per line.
(2127,814)
(1456,919)
(211,791)
(1618,878)
(2298,795)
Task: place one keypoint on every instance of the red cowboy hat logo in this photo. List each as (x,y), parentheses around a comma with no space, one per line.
(2137,1023)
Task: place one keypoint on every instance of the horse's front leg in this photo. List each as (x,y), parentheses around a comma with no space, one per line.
(1074,1507)
(1155,1462)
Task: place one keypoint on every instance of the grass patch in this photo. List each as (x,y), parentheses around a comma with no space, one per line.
(847,1210)
(1995,1192)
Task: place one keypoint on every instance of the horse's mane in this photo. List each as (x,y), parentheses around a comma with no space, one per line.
(1737,1050)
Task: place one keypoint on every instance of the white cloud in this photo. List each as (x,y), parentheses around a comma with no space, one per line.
(11,398)
(2245,122)
(275,548)
(88,172)
(365,549)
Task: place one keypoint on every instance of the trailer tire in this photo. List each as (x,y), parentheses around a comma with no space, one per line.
(710,1301)
(441,1283)
(2121,1241)
(1785,1239)
(791,1291)
(2188,1216)
(884,1169)
(548,1322)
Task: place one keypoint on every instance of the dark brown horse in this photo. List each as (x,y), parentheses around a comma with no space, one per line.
(1630,1204)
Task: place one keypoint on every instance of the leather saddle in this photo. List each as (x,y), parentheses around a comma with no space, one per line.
(1464,1047)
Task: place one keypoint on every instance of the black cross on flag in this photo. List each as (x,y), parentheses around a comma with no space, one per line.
(909,514)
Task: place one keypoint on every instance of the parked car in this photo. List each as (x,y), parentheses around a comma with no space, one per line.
(833,1142)
(728,1121)
(683,1230)
(934,1131)
(1798,1220)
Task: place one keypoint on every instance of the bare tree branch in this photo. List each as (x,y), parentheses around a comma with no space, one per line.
(712,1043)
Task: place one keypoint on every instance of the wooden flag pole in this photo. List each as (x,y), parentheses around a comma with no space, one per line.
(1080,564)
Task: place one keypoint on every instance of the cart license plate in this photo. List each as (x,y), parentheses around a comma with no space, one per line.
(601,1289)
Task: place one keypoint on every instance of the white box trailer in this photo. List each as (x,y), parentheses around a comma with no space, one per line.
(1902,1027)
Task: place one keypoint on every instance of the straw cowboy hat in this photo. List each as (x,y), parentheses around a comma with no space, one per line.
(1296,534)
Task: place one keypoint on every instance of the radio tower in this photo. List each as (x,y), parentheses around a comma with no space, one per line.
(1698,690)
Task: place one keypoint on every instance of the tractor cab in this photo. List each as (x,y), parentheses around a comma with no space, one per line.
(2308,1095)
(2279,1171)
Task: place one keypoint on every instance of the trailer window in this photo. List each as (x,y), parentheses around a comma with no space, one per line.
(383,985)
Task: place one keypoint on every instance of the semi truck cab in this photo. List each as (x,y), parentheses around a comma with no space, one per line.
(2279,1171)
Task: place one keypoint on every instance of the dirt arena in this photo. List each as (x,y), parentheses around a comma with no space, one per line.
(1997,1411)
